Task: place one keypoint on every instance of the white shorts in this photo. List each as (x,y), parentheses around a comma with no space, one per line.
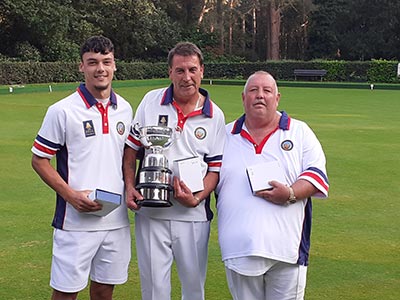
(104,255)
(158,244)
(282,281)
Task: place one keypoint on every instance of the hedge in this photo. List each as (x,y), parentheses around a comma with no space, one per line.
(375,71)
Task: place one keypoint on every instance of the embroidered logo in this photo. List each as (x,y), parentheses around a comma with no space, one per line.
(120,128)
(200,133)
(287,145)
(88,128)
(162,120)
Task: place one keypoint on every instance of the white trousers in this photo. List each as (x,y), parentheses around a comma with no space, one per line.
(282,281)
(158,244)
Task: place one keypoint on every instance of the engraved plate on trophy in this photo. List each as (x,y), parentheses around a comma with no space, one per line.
(155,180)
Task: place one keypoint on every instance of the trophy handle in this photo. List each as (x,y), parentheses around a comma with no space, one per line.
(139,134)
(176,134)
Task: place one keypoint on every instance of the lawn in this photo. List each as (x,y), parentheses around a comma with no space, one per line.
(355,250)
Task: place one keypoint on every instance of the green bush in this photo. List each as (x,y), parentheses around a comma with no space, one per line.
(377,71)
(382,71)
(27,52)
(38,72)
(336,70)
(140,70)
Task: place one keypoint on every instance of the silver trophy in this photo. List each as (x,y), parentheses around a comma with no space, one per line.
(155,178)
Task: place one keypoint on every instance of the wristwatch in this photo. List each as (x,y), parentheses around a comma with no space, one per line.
(198,200)
(292,197)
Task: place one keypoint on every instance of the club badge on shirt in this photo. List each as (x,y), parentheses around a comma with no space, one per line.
(88,128)
(162,120)
(200,133)
(120,128)
(287,145)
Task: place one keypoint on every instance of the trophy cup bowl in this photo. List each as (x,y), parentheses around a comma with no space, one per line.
(155,178)
(157,135)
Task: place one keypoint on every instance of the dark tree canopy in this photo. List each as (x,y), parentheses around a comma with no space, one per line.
(40,30)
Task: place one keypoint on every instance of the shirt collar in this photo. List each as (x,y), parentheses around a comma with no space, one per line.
(88,98)
(284,123)
(207,109)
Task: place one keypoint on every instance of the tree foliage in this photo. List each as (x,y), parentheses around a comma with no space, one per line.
(40,30)
(355,29)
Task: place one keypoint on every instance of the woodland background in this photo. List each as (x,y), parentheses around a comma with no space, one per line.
(226,30)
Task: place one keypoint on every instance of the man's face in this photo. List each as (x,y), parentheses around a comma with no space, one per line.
(99,72)
(261,97)
(186,74)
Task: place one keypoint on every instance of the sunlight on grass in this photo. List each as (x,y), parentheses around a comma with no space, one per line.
(355,238)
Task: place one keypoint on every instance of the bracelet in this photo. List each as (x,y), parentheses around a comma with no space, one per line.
(292,197)
(198,200)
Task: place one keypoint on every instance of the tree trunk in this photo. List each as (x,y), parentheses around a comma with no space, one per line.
(203,12)
(243,41)
(275,31)
(231,22)
(193,11)
(270,11)
(253,44)
(220,25)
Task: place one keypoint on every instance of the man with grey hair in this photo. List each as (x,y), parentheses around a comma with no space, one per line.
(272,165)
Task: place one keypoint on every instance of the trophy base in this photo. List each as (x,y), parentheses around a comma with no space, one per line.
(154,203)
(155,196)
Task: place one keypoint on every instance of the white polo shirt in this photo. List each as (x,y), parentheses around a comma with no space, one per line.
(251,226)
(202,134)
(88,142)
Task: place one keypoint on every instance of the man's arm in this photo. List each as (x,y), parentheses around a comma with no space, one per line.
(78,199)
(129,170)
(279,194)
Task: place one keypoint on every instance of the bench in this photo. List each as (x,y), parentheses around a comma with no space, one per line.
(309,73)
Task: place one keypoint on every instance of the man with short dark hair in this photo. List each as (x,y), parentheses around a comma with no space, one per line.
(178,233)
(86,131)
